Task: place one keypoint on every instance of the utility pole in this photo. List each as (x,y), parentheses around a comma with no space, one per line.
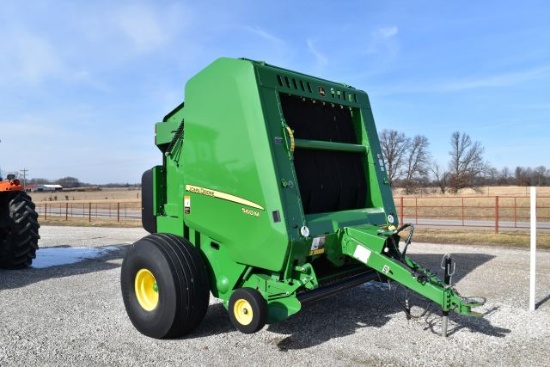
(24,171)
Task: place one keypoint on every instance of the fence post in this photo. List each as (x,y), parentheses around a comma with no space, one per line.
(89,212)
(462,209)
(118,211)
(515,212)
(46,211)
(66,212)
(496,214)
(415,210)
(533,248)
(401,210)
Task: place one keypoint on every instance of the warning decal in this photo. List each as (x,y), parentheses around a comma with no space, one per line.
(187,204)
(317,246)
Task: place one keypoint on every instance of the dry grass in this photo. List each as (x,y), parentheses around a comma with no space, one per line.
(482,191)
(515,239)
(510,208)
(109,194)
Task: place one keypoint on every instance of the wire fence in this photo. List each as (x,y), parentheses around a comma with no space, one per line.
(496,212)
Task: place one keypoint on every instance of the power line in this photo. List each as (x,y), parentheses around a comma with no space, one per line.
(24,171)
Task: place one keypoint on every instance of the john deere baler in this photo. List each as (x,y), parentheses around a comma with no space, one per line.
(272,193)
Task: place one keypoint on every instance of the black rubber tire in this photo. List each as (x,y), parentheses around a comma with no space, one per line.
(182,280)
(18,230)
(258,307)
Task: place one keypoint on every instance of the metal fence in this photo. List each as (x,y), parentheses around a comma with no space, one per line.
(496,212)
(90,211)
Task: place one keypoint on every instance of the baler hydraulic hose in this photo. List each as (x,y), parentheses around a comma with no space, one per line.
(409,237)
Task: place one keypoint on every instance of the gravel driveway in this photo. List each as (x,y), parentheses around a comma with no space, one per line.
(71,313)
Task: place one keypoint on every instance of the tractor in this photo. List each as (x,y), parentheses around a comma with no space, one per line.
(18,225)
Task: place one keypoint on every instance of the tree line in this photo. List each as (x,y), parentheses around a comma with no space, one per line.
(411,166)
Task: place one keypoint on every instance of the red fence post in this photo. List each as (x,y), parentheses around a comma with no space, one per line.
(496,214)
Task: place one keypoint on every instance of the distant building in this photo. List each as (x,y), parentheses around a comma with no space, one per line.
(46,188)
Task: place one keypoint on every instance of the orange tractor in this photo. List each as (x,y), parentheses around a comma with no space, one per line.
(18,225)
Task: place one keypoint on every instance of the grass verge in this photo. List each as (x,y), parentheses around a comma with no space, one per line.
(513,239)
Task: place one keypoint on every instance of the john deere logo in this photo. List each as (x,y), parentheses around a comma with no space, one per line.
(322,91)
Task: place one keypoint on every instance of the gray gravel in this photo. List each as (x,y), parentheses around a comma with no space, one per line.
(73,314)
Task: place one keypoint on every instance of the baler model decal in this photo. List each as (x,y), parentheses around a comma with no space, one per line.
(222,195)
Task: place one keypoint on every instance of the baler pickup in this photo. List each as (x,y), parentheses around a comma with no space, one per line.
(272,192)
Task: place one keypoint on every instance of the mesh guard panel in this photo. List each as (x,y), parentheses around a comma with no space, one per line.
(329,181)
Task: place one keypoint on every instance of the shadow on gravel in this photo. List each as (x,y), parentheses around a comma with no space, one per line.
(366,306)
(542,301)
(472,324)
(465,263)
(215,322)
(370,305)
(63,261)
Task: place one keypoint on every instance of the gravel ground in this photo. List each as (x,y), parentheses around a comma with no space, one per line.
(72,314)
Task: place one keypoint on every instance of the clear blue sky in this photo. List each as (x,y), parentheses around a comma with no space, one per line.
(83,82)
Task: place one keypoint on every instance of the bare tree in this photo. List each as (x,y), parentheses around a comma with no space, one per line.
(540,175)
(466,163)
(417,159)
(523,176)
(441,177)
(68,182)
(394,145)
(505,176)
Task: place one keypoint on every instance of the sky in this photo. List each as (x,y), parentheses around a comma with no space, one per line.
(82,83)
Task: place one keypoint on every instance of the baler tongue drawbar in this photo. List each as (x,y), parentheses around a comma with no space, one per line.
(378,248)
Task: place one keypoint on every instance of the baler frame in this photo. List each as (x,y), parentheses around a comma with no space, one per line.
(280,189)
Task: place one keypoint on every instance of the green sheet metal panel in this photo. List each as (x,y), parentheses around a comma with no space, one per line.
(229,179)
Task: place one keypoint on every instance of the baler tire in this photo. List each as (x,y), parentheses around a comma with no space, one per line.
(19,234)
(247,310)
(175,270)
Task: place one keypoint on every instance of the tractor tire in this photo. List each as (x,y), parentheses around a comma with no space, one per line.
(247,310)
(164,286)
(18,230)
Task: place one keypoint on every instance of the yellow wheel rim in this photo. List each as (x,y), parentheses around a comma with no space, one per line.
(243,312)
(146,290)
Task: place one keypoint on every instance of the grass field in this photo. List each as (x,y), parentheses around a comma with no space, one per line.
(110,194)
